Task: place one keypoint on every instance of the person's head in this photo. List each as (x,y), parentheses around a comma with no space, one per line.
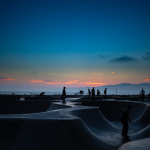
(64,87)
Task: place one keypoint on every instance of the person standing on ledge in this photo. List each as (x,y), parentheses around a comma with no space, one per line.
(64,95)
(93,93)
(98,93)
(142,94)
(124,120)
(89,92)
(105,92)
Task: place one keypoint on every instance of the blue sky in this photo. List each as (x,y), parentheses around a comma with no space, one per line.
(67,40)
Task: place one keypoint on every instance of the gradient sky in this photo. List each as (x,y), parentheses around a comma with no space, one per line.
(73,43)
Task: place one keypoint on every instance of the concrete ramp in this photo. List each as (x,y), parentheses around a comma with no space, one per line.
(137,145)
(92,117)
(144,118)
(71,127)
(143,133)
(53,106)
(52,134)
(112,109)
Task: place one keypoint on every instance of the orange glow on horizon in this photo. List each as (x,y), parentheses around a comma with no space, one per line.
(59,82)
(7,79)
(37,81)
(94,83)
(100,74)
(72,82)
(147,79)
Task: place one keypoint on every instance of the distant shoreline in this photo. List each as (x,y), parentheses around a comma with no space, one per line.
(15,97)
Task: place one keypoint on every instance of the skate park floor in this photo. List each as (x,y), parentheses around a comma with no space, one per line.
(77,125)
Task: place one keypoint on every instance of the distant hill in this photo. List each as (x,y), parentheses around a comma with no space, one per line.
(120,89)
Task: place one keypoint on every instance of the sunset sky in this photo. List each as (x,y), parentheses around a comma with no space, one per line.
(73,43)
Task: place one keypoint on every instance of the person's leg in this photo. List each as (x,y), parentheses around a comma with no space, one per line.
(63,101)
(123,130)
(126,127)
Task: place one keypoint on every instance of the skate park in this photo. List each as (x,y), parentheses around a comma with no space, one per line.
(77,124)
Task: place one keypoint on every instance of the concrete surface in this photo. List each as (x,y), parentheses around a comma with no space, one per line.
(74,126)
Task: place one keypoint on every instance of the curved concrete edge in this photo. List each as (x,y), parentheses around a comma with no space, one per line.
(63,127)
(48,134)
(116,108)
(143,118)
(93,117)
(56,106)
(144,133)
(142,144)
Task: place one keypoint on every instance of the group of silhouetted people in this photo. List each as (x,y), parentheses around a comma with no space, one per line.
(124,118)
(92,92)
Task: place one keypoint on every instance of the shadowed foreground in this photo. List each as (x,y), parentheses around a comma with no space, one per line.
(74,126)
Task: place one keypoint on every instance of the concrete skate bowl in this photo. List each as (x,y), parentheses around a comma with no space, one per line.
(140,112)
(23,107)
(112,109)
(65,127)
(27,107)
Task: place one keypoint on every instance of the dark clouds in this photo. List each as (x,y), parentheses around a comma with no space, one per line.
(146,56)
(3,78)
(124,59)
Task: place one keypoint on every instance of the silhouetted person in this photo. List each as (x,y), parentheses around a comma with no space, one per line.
(105,92)
(89,92)
(64,95)
(42,93)
(149,95)
(124,120)
(142,94)
(93,93)
(98,93)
